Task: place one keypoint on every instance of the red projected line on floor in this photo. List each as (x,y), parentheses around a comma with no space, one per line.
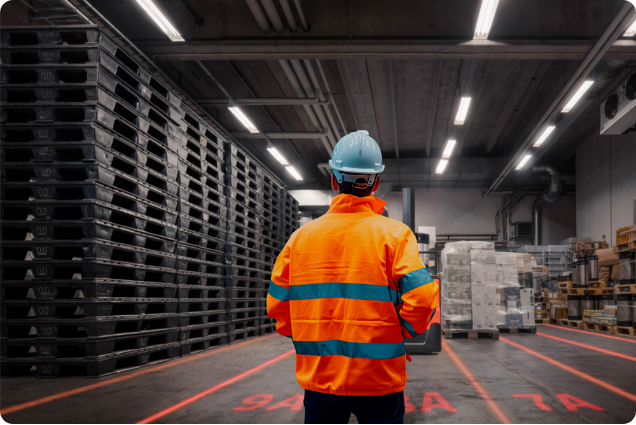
(215,388)
(85,388)
(573,371)
(480,390)
(589,347)
(593,333)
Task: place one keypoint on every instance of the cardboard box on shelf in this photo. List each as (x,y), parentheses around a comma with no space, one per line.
(477,296)
(491,298)
(527,316)
(479,318)
(514,320)
(500,297)
(558,311)
(606,257)
(526,297)
(490,318)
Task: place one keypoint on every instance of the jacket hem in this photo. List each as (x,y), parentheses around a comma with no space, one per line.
(353,392)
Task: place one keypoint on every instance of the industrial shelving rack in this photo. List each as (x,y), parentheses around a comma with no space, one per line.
(132,232)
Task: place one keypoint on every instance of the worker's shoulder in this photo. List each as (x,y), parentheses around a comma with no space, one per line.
(393,226)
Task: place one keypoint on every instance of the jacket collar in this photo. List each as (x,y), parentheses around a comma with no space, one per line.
(344,203)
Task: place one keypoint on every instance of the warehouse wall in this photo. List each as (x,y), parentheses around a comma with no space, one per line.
(466,211)
(605,185)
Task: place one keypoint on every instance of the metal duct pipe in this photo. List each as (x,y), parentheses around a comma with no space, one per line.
(289,15)
(272,13)
(299,92)
(261,20)
(408,208)
(300,72)
(301,15)
(314,80)
(546,198)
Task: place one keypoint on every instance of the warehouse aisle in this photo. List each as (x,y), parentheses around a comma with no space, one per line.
(525,378)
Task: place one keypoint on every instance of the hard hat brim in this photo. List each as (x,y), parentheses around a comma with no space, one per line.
(356,170)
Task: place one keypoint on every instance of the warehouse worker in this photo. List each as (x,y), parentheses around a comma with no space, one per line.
(348,288)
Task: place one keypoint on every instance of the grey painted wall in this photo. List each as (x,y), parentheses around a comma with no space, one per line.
(466,211)
(605,185)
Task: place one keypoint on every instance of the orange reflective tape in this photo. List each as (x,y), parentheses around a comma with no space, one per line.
(480,390)
(85,388)
(573,371)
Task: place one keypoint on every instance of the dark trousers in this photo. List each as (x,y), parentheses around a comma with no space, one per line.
(321,408)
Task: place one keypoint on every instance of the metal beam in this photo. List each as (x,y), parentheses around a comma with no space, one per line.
(614,30)
(436,77)
(279,135)
(261,101)
(301,48)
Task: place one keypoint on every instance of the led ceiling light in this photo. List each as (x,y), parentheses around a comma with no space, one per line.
(441,166)
(549,129)
(577,96)
(243,119)
(277,155)
(631,30)
(523,162)
(293,172)
(160,20)
(486,16)
(463,111)
(448,150)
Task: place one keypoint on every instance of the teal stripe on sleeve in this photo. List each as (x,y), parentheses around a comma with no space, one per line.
(360,350)
(414,280)
(278,292)
(352,291)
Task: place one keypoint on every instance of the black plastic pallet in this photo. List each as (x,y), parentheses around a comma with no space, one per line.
(211,214)
(64,35)
(242,335)
(187,305)
(94,288)
(270,220)
(271,243)
(270,251)
(239,251)
(246,293)
(91,347)
(201,254)
(246,282)
(91,366)
(250,235)
(201,183)
(244,324)
(89,269)
(245,314)
(197,345)
(243,272)
(210,227)
(197,278)
(197,291)
(196,168)
(191,121)
(244,220)
(196,240)
(82,250)
(201,330)
(202,145)
(267,329)
(80,229)
(202,158)
(199,266)
(202,317)
(268,259)
(266,320)
(245,304)
(236,158)
(201,196)
(244,263)
(87,307)
(270,196)
(85,327)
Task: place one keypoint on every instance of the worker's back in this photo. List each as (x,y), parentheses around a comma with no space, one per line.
(339,276)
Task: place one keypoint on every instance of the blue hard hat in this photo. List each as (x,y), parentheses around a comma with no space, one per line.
(356,153)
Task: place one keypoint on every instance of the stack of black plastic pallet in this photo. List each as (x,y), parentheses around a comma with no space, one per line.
(89,206)
(243,263)
(201,243)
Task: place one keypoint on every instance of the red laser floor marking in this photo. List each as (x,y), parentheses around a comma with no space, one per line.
(428,403)
(85,388)
(589,347)
(480,390)
(408,407)
(252,403)
(215,388)
(573,371)
(572,403)
(537,398)
(633,341)
(295,403)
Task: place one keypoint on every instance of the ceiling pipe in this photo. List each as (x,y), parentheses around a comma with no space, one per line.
(261,20)
(301,15)
(319,93)
(333,102)
(278,135)
(197,19)
(262,101)
(272,13)
(550,195)
(289,15)
(595,55)
(299,92)
(300,72)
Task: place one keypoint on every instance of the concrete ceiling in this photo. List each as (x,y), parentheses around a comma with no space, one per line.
(396,68)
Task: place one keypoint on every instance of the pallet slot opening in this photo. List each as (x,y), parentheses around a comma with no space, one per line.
(194,148)
(72,174)
(152,260)
(190,132)
(124,166)
(21,76)
(76,57)
(126,114)
(66,272)
(158,119)
(24,58)
(126,327)
(67,351)
(156,182)
(23,39)
(123,309)
(158,86)
(124,130)
(20,115)
(127,78)
(157,134)
(156,166)
(124,184)
(70,114)
(21,96)
(74,37)
(153,277)
(18,155)
(71,76)
(196,187)
(155,197)
(127,96)
(127,60)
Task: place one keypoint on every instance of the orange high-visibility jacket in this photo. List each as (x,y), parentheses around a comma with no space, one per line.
(348,288)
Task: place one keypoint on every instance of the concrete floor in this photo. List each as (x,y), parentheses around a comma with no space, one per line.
(604,380)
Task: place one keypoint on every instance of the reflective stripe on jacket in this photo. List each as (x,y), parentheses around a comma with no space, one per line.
(348,288)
